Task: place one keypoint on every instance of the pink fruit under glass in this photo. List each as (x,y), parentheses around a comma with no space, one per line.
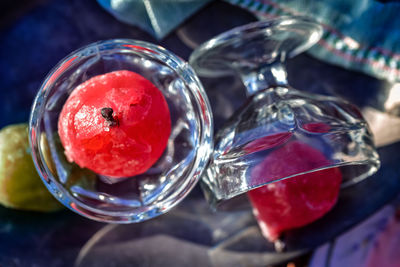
(291,151)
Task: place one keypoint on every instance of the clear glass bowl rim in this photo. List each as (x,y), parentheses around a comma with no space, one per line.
(185,72)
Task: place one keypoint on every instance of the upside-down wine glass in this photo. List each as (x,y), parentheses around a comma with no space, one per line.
(280,133)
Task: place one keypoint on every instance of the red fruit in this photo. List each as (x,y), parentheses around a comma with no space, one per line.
(128,141)
(296,201)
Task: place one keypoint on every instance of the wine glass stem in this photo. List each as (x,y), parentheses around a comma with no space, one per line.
(263,76)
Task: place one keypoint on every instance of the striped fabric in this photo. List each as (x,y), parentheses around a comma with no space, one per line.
(362,35)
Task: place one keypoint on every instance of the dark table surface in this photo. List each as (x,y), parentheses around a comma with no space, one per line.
(35,36)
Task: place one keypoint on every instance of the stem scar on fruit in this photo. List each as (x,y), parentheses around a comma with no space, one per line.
(106,113)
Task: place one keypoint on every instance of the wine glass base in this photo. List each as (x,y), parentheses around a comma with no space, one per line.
(262,42)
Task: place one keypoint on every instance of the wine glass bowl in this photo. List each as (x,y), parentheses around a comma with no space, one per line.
(169,180)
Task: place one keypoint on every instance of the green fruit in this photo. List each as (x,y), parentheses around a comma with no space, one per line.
(20,184)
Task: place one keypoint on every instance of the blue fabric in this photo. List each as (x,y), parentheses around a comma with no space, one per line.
(158,17)
(358,34)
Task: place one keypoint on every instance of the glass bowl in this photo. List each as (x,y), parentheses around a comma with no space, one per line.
(169,180)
